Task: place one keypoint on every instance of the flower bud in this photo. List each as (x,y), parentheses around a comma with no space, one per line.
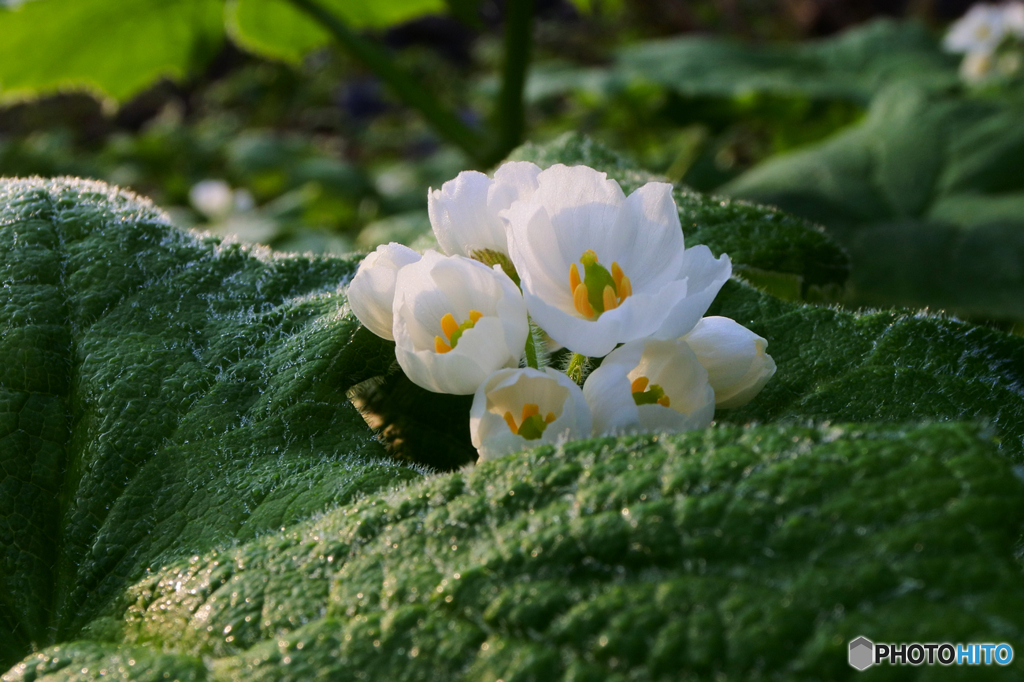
(371,294)
(735,358)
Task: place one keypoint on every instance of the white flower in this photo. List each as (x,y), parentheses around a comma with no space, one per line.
(981,29)
(650,385)
(1013,16)
(371,295)
(456,321)
(464,213)
(735,358)
(976,66)
(212,198)
(520,408)
(599,269)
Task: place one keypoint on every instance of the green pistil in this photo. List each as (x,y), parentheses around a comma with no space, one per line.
(457,334)
(532,427)
(651,396)
(596,278)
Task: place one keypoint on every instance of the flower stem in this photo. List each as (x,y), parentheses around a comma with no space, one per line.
(510,115)
(531,350)
(408,90)
(576,366)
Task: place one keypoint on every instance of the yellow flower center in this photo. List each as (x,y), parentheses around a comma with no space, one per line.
(453,331)
(599,290)
(648,395)
(531,426)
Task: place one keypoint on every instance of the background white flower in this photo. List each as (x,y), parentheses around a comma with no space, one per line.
(981,29)
(464,213)
(735,358)
(371,294)
(599,268)
(650,385)
(456,321)
(521,408)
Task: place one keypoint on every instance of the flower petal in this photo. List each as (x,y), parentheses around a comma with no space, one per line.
(437,286)
(371,294)
(705,275)
(738,367)
(508,390)
(672,366)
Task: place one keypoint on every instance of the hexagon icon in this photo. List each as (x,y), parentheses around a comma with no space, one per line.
(862,652)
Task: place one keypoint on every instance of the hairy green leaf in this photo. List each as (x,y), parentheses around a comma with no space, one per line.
(114,49)
(160,394)
(173,411)
(739,553)
(927,195)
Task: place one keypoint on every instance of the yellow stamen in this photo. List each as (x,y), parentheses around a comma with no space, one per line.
(574,278)
(440,346)
(511,423)
(579,299)
(529,409)
(625,288)
(550,418)
(609,298)
(449,326)
(617,275)
(664,401)
(639,385)
(475,315)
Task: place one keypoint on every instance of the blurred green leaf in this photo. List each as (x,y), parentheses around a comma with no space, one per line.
(927,195)
(851,66)
(276,29)
(114,49)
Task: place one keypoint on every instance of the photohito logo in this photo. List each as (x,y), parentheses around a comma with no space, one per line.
(864,653)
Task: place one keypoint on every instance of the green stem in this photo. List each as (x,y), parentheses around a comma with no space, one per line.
(407,89)
(575,369)
(531,349)
(510,116)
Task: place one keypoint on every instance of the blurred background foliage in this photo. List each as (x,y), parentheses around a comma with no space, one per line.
(246,119)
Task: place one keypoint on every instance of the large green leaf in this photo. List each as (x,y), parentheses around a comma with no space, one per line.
(851,66)
(927,195)
(160,394)
(118,48)
(113,48)
(175,407)
(275,28)
(731,553)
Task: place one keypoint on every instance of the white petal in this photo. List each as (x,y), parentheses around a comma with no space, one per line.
(735,358)
(508,390)
(439,285)
(669,364)
(705,275)
(607,391)
(648,241)
(464,213)
(578,209)
(371,294)
(512,181)
(460,217)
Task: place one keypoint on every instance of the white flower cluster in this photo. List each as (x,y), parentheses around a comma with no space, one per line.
(991,38)
(600,274)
